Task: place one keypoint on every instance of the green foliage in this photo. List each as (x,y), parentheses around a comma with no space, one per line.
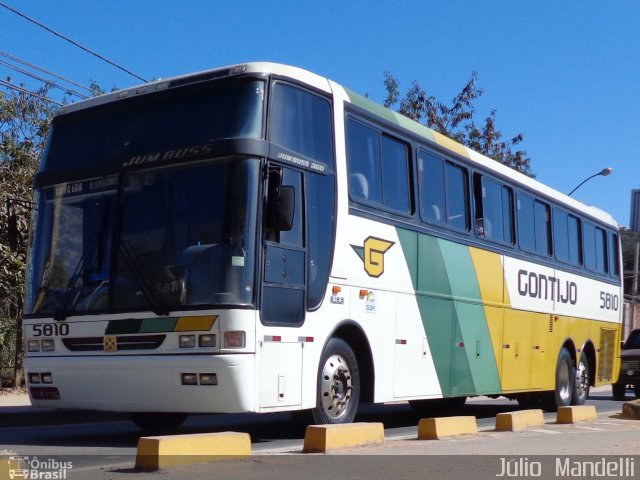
(456,121)
(24,124)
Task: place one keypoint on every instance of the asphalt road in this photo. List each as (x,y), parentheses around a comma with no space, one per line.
(104,446)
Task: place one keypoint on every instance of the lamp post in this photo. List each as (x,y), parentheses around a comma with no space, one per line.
(604,172)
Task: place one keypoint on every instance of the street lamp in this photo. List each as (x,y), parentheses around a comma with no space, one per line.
(604,172)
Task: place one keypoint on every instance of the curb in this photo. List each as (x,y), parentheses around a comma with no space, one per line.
(437,428)
(519,420)
(321,438)
(156,453)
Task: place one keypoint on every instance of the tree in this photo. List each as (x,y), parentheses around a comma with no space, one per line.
(456,121)
(24,124)
(25,117)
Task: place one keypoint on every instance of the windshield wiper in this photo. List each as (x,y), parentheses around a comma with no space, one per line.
(68,303)
(157,305)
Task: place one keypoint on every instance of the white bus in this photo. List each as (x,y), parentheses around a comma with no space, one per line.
(258,238)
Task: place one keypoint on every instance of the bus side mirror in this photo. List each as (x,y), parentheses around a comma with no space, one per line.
(282,208)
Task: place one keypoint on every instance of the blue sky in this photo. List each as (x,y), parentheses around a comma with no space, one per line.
(564,74)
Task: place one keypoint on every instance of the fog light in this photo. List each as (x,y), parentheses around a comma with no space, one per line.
(234,339)
(48,345)
(187,341)
(33,345)
(208,379)
(34,378)
(189,379)
(207,340)
(47,378)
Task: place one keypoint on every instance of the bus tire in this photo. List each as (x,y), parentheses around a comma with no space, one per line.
(619,391)
(155,422)
(565,379)
(338,388)
(581,382)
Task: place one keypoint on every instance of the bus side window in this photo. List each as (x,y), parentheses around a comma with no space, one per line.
(285,177)
(614,268)
(494,210)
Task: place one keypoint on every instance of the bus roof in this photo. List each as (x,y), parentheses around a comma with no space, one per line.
(323,84)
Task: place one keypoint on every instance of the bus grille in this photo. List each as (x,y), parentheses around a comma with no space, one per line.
(630,365)
(607,349)
(128,342)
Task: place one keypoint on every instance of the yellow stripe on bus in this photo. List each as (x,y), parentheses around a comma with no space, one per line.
(189,324)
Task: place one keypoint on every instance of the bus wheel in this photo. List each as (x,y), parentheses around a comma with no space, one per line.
(154,422)
(338,384)
(565,379)
(581,387)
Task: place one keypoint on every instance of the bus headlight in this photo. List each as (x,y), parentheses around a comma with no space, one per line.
(207,340)
(48,346)
(34,378)
(189,379)
(33,345)
(208,379)
(187,341)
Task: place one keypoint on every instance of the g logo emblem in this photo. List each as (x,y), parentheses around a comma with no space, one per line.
(372,254)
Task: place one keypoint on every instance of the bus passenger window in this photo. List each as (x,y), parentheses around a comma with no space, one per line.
(431,187)
(534,225)
(363,156)
(395,174)
(614,268)
(567,237)
(494,210)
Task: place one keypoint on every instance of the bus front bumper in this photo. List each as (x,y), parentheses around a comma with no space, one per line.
(152,383)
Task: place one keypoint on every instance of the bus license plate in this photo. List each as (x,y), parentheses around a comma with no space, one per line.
(45,393)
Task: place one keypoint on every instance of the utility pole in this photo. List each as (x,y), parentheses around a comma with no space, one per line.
(634,288)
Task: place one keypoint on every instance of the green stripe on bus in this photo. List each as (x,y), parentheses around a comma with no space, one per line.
(139,325)
(156,325)
(450,304)
(389,115)
(470,317)
(121,327)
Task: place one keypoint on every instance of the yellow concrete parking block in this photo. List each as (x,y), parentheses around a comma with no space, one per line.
(516,421)
(321,438)
(155,453)
(436,428)
(576,414)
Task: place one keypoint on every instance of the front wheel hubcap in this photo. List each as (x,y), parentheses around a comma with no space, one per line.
(336,387)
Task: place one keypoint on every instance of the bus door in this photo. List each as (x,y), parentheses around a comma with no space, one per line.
(283,288)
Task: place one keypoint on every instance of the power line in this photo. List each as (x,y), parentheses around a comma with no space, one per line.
(28,92)
(41,79)
(40,69)
(67,39)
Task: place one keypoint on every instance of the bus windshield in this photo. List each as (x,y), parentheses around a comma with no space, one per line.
(159,239)
(132,130)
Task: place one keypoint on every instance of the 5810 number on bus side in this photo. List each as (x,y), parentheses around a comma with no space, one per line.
(51,329)
(609,301)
